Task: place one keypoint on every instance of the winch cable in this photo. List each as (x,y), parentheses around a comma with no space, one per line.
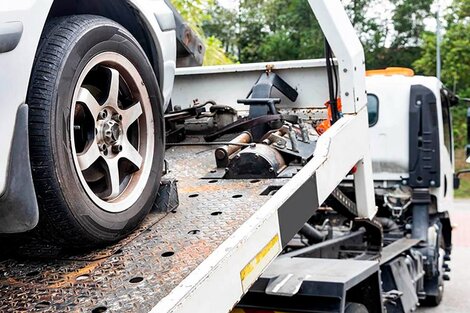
(332,83)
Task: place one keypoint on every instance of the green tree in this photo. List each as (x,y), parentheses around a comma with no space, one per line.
(195,12)
(286,29)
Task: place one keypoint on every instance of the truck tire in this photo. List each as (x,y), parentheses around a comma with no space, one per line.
(435,300)
(432,301)
(96,132)
(353,307)
(438,278)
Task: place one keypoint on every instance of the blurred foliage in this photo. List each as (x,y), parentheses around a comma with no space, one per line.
(464,190)
(287,30)
(196,12)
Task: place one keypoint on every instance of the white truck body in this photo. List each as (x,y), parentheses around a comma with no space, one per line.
(390,140)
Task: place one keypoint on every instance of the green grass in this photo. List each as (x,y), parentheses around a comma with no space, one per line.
(464,190)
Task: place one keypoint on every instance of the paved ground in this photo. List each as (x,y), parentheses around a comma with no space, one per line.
(457,290)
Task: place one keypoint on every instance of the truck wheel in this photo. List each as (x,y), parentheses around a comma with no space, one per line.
(432,301)
(96,131)
(437,243)
(435,300)
(353,307)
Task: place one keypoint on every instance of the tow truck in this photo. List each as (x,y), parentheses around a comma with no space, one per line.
(206,253)
(244,180)
(412,153)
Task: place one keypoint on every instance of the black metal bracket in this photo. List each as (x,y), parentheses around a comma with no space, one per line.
(260,94)
(269,102)
(261,102)
(424,158)
(167,199)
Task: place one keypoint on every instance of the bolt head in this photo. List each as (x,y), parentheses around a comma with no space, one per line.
(103,114)
(117,148)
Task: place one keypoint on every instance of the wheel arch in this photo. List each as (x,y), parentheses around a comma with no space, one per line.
(124,12)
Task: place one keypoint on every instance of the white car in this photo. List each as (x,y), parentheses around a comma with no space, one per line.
(83,88)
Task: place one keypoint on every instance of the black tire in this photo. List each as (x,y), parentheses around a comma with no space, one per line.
(352,307)
(68,216)
(437,279)
(433,301)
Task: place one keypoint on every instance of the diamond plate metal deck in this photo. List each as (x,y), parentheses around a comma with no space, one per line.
(135,274)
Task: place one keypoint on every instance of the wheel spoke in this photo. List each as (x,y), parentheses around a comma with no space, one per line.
(130,115)
(131,154)
(85,97)
(113,88)
(113,178)
(87,158)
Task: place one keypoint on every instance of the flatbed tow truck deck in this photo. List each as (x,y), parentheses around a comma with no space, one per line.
(213,246)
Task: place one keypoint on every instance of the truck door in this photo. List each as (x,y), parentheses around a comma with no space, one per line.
(447,154)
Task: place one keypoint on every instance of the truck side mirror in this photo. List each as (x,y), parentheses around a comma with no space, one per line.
(467,147)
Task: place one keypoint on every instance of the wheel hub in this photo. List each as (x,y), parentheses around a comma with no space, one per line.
(109,131)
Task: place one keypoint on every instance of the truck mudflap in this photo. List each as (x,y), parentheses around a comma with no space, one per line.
(18,205)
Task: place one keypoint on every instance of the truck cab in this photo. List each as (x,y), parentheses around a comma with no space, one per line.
(412,149)
(411,143)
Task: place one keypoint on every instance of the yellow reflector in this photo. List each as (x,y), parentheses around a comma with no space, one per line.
(389,71)
(253,269)
(257,259)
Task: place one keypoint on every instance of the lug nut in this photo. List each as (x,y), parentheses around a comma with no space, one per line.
(117,117)
(103,114)
(104,149)
(117,148)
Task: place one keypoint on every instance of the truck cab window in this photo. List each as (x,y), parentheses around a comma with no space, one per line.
(373,109)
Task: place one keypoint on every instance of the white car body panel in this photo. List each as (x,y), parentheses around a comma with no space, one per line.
(17,64)
(16,68)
